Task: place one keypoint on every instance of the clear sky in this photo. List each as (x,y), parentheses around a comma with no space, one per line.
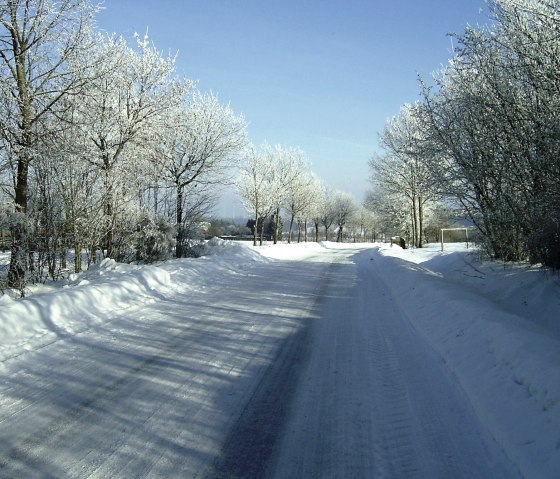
(324,75)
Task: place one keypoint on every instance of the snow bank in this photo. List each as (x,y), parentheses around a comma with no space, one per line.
(529,291)
(237,250)
(496,327)
(85,299)
(105,291)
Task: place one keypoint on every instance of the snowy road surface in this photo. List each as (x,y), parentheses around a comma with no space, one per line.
(293,369)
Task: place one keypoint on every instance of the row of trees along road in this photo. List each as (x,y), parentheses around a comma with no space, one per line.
(102,145)
(485,136)
(276,179)
(105,149)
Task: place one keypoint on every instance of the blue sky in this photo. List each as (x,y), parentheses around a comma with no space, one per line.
(321,75)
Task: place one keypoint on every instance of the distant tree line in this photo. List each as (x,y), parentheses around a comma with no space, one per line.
(222,227)
(277,181)
(485,137)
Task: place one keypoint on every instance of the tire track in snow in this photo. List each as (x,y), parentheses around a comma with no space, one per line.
(253,437)
(152,396)
(396,455)
(355,394)
(375,401)
(428,426)
(26,456)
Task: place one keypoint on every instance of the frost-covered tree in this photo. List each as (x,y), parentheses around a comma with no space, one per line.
(287,166)
(493,114)
(297,192)
(313,191)
(364,225)
(199,144)
(43,47)
(344,208)
(327,213)
(254,185)
(403,167)
(392,213)
(77,187)
(133,97)
(316,196)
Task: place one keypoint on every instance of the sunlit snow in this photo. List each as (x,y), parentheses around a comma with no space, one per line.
(495,325)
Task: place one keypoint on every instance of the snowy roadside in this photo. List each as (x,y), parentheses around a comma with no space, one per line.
(76,304)
(106,291)
(497,328)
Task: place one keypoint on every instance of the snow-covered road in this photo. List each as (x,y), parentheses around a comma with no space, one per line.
(300,369)
(374,400)
(153,391)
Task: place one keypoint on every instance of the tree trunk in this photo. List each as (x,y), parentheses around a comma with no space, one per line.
(256,228)
(109,211)
(262,225)
(276,225)
(16,272)
(62,252)
(179,222)
(291,228)
(77,257)
(414,215)
(420,220)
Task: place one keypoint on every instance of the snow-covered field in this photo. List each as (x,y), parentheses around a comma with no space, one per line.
(496,327)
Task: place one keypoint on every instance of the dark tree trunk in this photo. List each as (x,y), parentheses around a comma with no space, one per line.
(276,225)
(179,222)
(262,226)
(420,221)
(16,272)
(291,228)
(256,229)
(77,257)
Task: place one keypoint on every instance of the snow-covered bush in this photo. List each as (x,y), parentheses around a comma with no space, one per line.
(154,239)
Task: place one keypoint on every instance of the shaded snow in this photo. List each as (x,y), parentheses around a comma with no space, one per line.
(81,301)
(496,326)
